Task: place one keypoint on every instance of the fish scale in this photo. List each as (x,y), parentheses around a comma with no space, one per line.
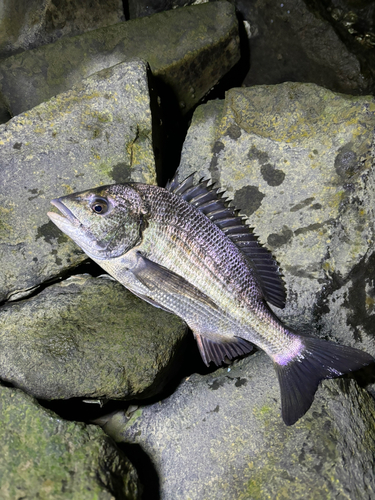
(187,250)
(216,280)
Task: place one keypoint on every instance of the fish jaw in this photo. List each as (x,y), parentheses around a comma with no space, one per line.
(73,228)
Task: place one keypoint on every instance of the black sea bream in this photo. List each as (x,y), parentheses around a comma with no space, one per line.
(185,249)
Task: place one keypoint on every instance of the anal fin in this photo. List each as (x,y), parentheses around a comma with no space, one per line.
(217,352)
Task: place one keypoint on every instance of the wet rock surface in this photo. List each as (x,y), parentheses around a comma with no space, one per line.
(44,457)
(98,133)
(187,65)
(220,436)
(90,338)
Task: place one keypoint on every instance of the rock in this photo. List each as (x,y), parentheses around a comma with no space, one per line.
(220,436)
(142,8)
(27,25)
(43,456)
(196,154)
(89,338)
(298,161)
(296,41)
(188,49)
(97,133)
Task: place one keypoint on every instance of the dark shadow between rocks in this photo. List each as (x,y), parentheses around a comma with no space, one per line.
(170,123)
(86,267)
(364,377)
(187,361)
(169,128)
(236,75)
(147,474)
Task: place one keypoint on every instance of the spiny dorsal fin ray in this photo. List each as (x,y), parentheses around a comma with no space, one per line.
(208,200)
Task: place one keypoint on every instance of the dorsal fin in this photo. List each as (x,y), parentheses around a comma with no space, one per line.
(208,200)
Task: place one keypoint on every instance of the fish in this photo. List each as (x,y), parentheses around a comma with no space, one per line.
(185,249)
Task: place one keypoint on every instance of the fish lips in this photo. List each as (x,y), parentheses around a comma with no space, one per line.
(65,211)
(71,226)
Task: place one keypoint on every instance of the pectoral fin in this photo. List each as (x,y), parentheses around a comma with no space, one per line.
(218,351)
(164,282)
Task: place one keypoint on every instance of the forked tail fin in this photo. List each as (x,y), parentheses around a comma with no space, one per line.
(299,379)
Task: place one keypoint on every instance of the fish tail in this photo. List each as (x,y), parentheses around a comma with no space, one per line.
(318,359)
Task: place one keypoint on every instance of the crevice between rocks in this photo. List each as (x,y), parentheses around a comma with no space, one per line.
(86,267)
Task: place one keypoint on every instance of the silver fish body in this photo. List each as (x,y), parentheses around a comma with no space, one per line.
(184,249)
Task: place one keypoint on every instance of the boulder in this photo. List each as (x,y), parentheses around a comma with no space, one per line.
(43,456)
(220,436)
(27,25)
(97,133)
(188,50)
(87,338)
(299,40)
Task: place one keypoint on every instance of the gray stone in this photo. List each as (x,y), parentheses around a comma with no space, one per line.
(43,456)
(188,49)
(196,154)
(26,25)
(221,437)
(97,133)
(295,40)
(298,161)
(87,337)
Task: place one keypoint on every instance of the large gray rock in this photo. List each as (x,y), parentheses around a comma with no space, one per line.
(188,49)
(221,437)
(25,25)
(297,40)
(298,161)
(43,456)
(87,337)
(97,133)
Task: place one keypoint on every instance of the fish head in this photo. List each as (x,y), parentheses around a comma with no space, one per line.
(105,222)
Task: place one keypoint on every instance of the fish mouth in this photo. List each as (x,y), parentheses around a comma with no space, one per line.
(67,215)
(69,224)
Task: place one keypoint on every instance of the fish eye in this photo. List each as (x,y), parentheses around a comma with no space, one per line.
(99,206)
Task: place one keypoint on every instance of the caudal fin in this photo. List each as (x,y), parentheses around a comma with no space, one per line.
(299,379)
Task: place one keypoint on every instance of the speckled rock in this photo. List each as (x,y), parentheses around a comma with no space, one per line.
(87,337)
(98,133)
(43,456)
(298,160)
(188,49)
(25,25)
(221,437)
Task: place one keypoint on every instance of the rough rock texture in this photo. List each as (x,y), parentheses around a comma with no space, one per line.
(87,337)
(292,41)
(44,457)
(220,436)
(25,25)
(97,133)
(189,49)
(298,161)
